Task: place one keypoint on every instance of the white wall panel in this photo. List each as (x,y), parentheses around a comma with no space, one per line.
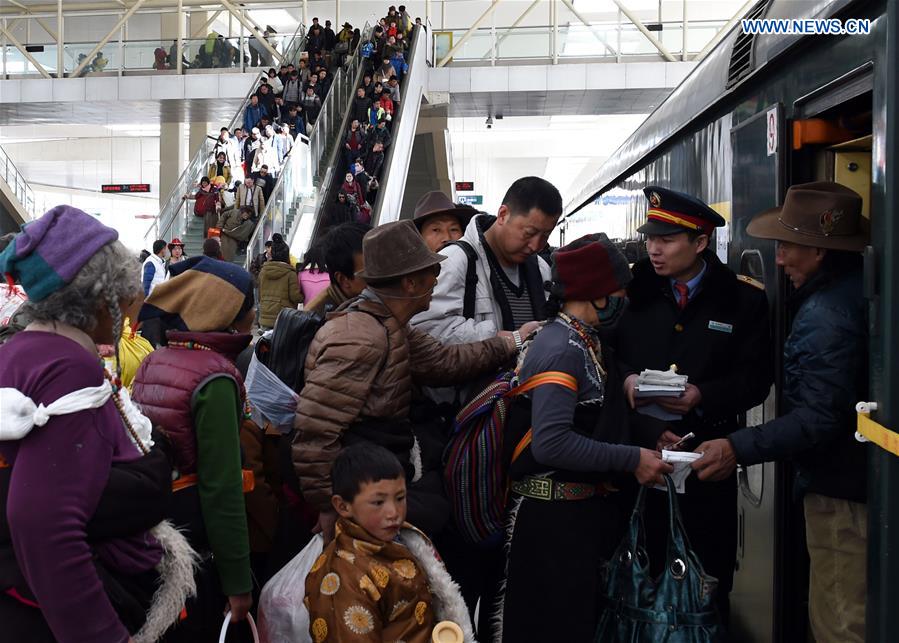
(68,89)
(163,87)
(37,90)
(134,87)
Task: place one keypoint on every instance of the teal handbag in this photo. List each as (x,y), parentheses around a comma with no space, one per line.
(676,607)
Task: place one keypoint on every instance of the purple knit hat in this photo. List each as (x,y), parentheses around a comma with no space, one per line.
(50,251)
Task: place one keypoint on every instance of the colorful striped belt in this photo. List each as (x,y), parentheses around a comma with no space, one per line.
(549,489)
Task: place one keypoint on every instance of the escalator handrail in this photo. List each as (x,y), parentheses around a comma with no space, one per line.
(395,128)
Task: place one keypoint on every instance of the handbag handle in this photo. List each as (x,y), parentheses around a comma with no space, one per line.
(636,531)
(227,622)
(678,549)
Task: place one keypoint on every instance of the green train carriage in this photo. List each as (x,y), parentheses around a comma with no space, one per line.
(758,114)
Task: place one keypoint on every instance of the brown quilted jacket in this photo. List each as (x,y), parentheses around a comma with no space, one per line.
(348,378)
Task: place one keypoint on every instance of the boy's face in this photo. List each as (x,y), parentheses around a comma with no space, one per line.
(379,507)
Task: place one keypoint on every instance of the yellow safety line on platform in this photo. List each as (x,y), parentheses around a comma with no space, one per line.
(879,435)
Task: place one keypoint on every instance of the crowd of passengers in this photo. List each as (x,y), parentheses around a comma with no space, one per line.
(245,165)
(370,123)
(155,495)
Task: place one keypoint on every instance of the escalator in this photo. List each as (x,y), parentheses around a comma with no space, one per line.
(294,206)
(176,217)
(393,173)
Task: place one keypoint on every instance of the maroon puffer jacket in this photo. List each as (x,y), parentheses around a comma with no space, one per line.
(168,379)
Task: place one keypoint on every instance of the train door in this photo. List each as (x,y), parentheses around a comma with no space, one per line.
(831,141)
(757,184)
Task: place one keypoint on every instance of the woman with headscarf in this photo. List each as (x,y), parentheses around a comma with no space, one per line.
(576,453)
(81,485)
(192,390)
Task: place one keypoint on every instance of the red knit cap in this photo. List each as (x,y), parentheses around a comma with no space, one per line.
(589,269)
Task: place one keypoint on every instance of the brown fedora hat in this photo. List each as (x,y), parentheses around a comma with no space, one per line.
(394,250)
(820,215)
(436,202)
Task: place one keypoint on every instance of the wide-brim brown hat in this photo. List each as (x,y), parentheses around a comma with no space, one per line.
(395,250)
(436,203)
(821,215)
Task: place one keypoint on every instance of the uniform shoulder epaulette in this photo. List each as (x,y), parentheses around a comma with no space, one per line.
(752,282)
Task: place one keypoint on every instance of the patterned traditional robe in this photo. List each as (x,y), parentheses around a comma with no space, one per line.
(364,589)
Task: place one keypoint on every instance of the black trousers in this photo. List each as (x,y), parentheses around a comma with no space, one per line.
(554,556)
(478,570)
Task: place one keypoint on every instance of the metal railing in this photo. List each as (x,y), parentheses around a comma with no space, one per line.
(127,56)
(175,214)
(17,183)
(624,40)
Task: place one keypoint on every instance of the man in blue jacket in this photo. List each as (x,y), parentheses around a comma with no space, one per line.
(820,232)
(253,113)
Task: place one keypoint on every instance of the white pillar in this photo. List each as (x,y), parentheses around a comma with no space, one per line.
(171,158)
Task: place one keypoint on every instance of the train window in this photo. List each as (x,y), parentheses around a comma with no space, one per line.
(752,265)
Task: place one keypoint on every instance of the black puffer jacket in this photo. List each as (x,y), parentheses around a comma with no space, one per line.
(825,374)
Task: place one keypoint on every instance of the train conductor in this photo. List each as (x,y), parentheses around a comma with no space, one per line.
(689,309)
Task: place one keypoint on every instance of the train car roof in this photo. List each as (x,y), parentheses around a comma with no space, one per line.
(701,90)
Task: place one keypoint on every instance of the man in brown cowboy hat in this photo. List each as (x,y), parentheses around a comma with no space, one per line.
(820,232)
(360,368)
(440,220)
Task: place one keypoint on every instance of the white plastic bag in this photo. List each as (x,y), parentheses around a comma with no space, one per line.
(227,622)
(270,398)
(283,617)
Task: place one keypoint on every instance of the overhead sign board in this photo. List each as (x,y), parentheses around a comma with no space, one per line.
(125,187)
(464,186)
(472,199)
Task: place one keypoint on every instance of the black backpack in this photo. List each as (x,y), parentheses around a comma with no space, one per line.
(286,356)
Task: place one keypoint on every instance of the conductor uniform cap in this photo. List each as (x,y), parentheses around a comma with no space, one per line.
(672,212)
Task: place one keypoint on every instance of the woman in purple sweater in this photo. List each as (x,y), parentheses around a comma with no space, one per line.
(78,557)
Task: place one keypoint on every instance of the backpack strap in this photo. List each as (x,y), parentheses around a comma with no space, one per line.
(471,277)
(548,377)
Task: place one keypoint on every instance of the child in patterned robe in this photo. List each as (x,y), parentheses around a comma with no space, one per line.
(380,579)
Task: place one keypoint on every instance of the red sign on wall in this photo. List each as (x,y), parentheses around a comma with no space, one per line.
(125,187)
(464,186)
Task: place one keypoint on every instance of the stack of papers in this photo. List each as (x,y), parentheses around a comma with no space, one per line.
(658,384)
(681,461)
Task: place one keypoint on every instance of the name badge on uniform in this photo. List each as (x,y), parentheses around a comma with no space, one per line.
(721,327)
